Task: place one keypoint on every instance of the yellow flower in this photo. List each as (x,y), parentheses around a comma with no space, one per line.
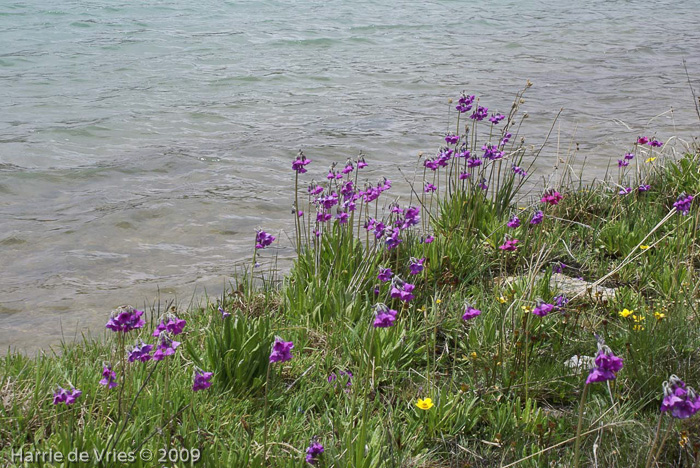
(650,160)
(438,301)
(626,313)
(638,318)
(659,315)
(638,328)
(525,308)
(643,247)
(502,299)
(683,441)
(473,355)
(425,404)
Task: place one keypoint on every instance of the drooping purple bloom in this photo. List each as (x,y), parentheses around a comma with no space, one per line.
(642,140)
(537,217)
(299,163)
(514,222)
(315,189)
(606,366)
(473,162)
(416,265)
(263,239)
(429,188)
(323,216)
(682,402)
(629,156)
(451,139)
(174,325)
(109,377)
(470,312)
(511,245)
(464,175)
(385,274)
(348,168)
(361,164)
(141,352)
(384,317)
(655,142)
(542,309)
(519,171)
(506,139)
(429,239)
(61,395)
(166,347)
(125,319)
(465,103)
(496,118)
(401,290)
(480,113)
(622,163)
(342,217)
(644,188)
(682,204)
(551,197)
(224,314)
(625,191)
(393,239)
(201,380)
(560,301)
(314,452)
(281,350)
(559,267)
(483,185)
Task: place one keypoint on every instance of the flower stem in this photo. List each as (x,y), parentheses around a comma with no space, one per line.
(650,458)
(267,385)
(577,447)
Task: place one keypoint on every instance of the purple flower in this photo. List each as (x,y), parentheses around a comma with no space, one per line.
(61,395)
(166,347)
(519,171)
(483,185)
(361,164)
(655,142)
(429,188)
(315,190)
(384,317)
(496,118)
(629,156)
(506,139)
(551,197)
(201,380)
(465,103)
(644,188)
(299,163)
(416,266)
(109,377)
(429,239)
(224,314)
(125,319)
(470,312)
(643,140)
(174,325)
(348,374)
(323,217)
(559,267)
(480,113)
(385,275)
(401,290)
(622,163)
(537,217)
(464,175)
(263,239)
(140,352)
(625,191)
(314,452)
(514,222)
(606,366)
(681,401)
(542,309)
(473,162)
(682,204)
(348,168)
(281,350)
(451,139)
(560,301)
(510,245)
(342,217)
(393,240)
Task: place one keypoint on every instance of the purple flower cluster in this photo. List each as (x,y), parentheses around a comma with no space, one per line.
(61,395)
(682,204)
(480,113)
(551,197)
(402,290)
(606,366)
(125,319)
(385,275)
(166,347)
(299,163)
(384,317)
(642,140)
(201,380)
(644,188)
(416,265)
(542,309)
(514,222)
(333,377)
(537,217)
(519,171)
(470,312)
(263,239)
(281,350)
(560,301)
(451,139)
(625,191)
(465,103)
(174,325)
(511,245)
(141,352)
(314,452)
(682,402)
(109,377)
(429,188)
(496,118)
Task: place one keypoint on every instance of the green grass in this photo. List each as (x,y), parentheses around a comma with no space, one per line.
(501,390)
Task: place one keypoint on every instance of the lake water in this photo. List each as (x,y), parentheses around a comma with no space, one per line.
(142,142)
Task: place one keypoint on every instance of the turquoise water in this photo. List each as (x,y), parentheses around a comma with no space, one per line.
(142,142)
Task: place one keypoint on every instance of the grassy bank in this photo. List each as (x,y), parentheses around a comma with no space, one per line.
(488,332)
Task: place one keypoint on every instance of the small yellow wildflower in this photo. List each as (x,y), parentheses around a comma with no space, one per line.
(502,299)
(425,404)
(626,313)
(638,328)
(643,247)
(473,355)
(525,308)
(438,301)
(650,160)
(683,441)
(638,318)
(659,315)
